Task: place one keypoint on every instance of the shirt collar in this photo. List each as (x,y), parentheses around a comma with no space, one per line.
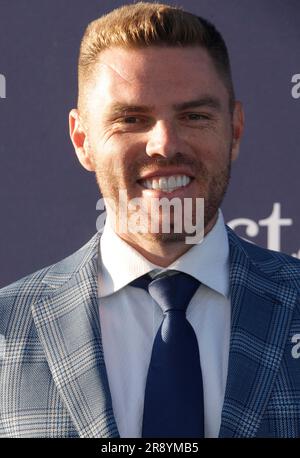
(208,261)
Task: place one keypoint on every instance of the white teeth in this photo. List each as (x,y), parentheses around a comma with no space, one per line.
(179,182)
(167,184)
(155,184)
(172,182)
(163,184)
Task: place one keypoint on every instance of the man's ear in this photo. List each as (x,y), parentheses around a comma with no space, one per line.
(80,141)
(238,129)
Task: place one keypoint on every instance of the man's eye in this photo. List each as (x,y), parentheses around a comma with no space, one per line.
(131,120)
(196,116)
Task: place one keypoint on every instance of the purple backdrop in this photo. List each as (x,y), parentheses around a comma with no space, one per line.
(48,202)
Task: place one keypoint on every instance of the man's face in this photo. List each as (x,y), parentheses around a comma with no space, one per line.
(157,113)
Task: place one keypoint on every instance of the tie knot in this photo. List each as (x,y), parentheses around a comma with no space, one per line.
(171,292)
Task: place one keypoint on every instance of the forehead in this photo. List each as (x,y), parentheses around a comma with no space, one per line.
(160,73)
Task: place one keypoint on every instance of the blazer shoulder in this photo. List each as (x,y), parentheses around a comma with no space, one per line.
(20,295)
(265,254)
(280,266)
(27,284)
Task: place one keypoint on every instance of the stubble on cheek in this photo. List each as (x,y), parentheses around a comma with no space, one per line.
(109,179)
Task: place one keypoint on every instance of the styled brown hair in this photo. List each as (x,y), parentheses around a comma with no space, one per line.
(143,24)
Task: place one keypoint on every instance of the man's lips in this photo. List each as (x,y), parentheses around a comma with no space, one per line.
(166,172)
(166,185)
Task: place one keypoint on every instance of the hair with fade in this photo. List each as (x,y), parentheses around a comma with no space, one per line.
(141,25)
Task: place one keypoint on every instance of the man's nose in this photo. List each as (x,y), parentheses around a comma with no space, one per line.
(163,140)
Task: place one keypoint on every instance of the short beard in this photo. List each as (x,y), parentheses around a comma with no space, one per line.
(217,185)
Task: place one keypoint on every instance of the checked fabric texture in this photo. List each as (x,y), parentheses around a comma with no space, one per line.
(53,378)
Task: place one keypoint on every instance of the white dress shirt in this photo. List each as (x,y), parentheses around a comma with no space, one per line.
(130,319)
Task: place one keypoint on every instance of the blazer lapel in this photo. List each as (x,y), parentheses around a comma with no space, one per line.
(67,323)
(261,313)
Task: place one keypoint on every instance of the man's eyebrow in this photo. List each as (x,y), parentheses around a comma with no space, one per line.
(206,101)
(120,108)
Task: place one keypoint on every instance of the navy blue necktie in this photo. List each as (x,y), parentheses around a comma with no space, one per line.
(173,405)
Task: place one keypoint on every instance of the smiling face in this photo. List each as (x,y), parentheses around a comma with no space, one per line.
(158,124)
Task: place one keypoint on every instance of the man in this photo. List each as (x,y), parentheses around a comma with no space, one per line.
(89,348)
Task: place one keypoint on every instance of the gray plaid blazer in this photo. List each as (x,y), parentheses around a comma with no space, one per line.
(53,380)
